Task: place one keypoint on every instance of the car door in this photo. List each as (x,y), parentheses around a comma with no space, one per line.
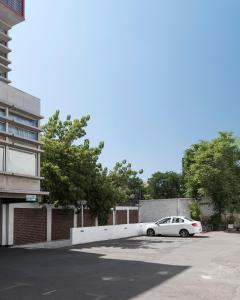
(177,225)
(164,226)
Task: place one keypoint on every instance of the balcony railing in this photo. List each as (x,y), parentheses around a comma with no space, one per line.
(16,5)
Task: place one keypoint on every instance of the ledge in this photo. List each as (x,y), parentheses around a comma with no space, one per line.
(7,134)
(21,175)
(23,192)
(19,146)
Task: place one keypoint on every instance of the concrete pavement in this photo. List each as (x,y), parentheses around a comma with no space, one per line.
(204,267)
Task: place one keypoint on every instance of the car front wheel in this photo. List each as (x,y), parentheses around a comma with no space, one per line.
(184,233)
(150,232)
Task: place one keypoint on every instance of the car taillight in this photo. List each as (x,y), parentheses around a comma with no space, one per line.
(194,224)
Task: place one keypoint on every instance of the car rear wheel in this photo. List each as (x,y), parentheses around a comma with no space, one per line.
(150,232)
(184,233)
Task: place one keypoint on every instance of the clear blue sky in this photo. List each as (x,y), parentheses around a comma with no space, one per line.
(155,75)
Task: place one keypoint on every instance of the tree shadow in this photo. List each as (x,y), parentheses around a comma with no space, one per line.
(65,274)
(126,243)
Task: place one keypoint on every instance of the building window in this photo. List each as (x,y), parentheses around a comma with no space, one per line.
(1,158)
(2,74)
(23,133)
(21,162)
(2,126)
(23,120)
(3,55)
(2,112)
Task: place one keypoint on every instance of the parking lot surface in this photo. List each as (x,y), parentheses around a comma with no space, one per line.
(203,267)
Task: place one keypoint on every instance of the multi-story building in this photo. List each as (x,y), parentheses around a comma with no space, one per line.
(20,145)
(11,13)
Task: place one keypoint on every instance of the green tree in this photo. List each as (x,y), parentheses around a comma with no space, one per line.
(211,170)
(102,196)
(127,181)
(164,185)
(71,170)
(195,211)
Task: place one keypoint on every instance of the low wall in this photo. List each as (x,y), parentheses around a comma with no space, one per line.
(102,233)
(23,223)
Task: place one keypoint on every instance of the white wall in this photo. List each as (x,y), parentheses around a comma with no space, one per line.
(153,210)
(84,235)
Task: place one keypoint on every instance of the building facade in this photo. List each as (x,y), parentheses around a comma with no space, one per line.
(20,145)
(11,13)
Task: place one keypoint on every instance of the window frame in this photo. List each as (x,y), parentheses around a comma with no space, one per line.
(29,121)
(2,109)
(21,151)
(24,130)
(3,123)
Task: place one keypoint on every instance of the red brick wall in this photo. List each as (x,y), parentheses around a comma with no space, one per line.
(133,216)
(30,225)
(88,220)
(121,217)
(110,219)
(62,221)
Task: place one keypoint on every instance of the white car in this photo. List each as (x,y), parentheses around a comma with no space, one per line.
(174,225)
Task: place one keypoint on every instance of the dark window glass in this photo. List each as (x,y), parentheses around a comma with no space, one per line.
(2,112)
(23,133)
(177,220)
(165,221)
(23,120)
(2,127)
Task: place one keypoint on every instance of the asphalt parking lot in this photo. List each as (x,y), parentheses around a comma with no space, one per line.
(203,267)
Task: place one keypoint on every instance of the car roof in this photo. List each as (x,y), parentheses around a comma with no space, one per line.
(174,217)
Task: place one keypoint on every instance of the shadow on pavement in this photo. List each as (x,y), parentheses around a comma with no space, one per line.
(127,243)
(179,237)
(63,274)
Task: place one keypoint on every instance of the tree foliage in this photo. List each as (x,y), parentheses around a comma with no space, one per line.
(127,181)
(72,172)
(212,170)
(164,185)
(195,211)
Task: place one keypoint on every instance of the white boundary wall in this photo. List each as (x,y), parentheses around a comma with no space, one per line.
(84,235)
(7,220)
(153,210)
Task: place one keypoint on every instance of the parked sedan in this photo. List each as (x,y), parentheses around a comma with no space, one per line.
(175,225)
